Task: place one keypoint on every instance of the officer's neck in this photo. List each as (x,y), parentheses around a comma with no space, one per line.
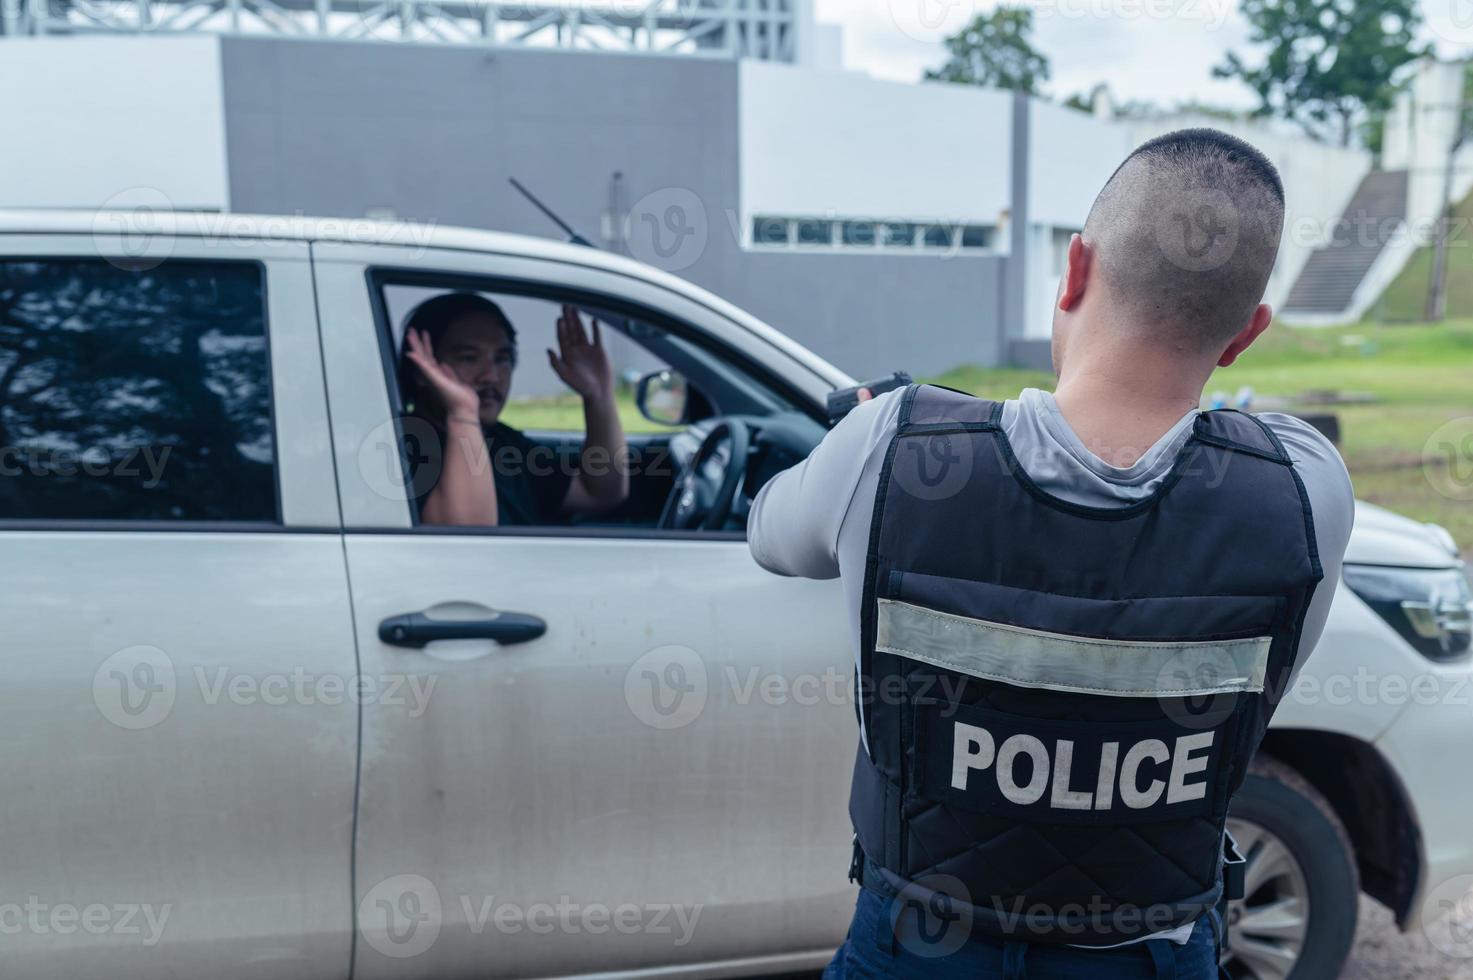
(1120,399)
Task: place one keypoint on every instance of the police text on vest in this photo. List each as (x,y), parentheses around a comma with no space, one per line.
(1147,773)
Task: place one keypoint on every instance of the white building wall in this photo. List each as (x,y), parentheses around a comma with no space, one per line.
(1071,154)
(1419,132)
(830,144)
(1319,181)
(122,121)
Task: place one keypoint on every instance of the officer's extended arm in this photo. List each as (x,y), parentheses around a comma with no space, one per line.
(793,528)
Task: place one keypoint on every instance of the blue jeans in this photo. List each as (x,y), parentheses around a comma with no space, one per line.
(872,952)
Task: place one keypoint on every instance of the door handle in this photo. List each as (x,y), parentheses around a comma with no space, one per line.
(416,629)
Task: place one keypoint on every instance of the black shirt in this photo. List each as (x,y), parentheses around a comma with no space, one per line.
(532,480)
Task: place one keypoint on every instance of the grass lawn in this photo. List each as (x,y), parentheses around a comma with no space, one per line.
(1420,376)
(1406,298)
(565,413)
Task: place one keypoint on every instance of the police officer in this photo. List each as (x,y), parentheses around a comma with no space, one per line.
(1074,613)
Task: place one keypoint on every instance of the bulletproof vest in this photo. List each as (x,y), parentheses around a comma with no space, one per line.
(1060,700)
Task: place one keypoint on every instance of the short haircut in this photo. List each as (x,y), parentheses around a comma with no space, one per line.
(1186,233)
(435,315)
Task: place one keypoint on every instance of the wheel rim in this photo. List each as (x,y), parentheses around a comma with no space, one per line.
(1271,922)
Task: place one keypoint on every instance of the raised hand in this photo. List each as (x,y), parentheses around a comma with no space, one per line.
(454,395)
(582,362)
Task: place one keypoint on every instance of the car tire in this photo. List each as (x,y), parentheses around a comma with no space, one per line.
(1297,920)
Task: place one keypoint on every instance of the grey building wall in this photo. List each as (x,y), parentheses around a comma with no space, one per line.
(434,131)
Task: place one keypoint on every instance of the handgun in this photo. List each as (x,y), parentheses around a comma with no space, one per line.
(844,400)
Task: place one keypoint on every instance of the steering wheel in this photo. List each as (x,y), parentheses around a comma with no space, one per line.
(706,488)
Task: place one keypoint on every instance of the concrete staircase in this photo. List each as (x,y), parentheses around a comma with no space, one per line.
(1328,281)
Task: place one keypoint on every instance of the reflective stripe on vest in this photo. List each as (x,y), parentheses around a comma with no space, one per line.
(1060,700)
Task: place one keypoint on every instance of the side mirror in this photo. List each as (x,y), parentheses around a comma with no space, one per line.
(663,397)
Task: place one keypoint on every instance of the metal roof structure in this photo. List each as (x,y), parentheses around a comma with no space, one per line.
(766,30)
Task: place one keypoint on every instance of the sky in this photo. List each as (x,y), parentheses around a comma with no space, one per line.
(1157,50)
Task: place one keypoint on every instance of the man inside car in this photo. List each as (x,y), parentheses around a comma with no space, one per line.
(460,351)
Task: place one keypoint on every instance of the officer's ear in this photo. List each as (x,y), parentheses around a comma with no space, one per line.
(1076,273)
(1262,317)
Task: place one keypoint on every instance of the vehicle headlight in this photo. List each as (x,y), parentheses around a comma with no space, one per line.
(1432,608)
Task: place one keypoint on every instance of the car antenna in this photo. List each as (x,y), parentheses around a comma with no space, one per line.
(629,327)
(573,237)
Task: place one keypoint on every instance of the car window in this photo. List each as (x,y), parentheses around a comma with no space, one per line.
(135,393)
(544,460)
(538,399)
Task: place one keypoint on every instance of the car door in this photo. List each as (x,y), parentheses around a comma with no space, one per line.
(659,779)
(178,778)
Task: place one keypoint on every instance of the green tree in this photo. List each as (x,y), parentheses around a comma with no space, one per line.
(1085,101)
(1329,63)
(995,50)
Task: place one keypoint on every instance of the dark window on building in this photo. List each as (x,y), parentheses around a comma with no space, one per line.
(815,233)
(937,236)
(770,231)
(900,235)
(860,234)
(135,394)
(976,236)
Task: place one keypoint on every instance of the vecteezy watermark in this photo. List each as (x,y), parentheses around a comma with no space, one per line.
(932,916)
(938,462)
(403,916)
(1371,230)
(668,229)
(671,686)
(134,688)
(145,462)
(1193,690)
(138,687)
(1202,235)
(1449,20)
(1447,459)
(934,465)
(672,14)
(132,229)
(36,917)
(933,20)
(1092,916)
(403,458)
(1211,13)
(1447,917)
(666,688)
(1365,688)
(138,229)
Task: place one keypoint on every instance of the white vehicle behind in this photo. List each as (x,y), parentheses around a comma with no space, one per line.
(262,723)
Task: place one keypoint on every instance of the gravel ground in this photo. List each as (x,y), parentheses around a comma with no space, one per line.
(1383,952)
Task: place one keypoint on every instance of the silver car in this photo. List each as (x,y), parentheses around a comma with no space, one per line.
(260,723)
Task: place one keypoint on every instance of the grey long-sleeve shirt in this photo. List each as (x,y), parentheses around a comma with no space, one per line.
(813,520)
